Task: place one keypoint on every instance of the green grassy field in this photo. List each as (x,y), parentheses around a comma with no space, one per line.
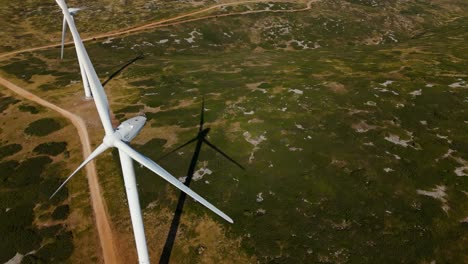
(352,132)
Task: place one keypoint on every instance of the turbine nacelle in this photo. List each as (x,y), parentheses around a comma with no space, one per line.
(130,128)
(126,131)
(204,132)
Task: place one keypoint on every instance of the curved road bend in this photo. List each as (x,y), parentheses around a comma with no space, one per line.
(102,221)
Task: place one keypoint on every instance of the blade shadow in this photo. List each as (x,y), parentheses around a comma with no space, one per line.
(167,250)
(222,153)
(176,149)
(199,139)
(202,116)
(112,76)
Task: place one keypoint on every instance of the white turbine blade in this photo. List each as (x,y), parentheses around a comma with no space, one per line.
(93,155)
(85,81)
(82,68)
(74,10)
(64,31)
(151,165)
(99,95)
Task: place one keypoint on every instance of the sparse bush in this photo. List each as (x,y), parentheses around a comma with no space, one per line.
(16,233)
(28,108)
(43,127)
(16,218)
(32,259)
(265,85)
(5,102)
(61,212)
(26,240)
(9,150)
(47,187)
(211,35)
(7,169)
(7,249)
(59,250)
(29,171)
(51,148)
(25,69)
(50,231)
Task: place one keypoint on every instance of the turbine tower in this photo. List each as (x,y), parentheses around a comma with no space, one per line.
(87,89)
(119,138)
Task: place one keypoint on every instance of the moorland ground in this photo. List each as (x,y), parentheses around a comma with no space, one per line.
(350,119)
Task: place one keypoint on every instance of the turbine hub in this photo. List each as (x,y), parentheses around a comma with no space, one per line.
(109,140)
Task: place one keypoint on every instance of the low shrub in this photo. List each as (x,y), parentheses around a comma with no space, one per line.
(61,212)
(51,148)
(9,150)
(43,127)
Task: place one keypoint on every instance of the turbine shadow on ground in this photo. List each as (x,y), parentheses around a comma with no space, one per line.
(139,57)
(200,139)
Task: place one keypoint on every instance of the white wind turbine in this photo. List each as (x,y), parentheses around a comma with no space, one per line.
(87,90)
(117,138)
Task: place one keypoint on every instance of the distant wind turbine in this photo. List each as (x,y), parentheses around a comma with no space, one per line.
(73,12)
(119,138)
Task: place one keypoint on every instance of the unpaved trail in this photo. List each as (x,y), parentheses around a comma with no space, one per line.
(102,219)
(173,21)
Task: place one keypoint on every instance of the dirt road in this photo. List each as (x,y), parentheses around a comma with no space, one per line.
(102,220)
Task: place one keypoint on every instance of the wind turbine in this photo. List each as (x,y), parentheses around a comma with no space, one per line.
(119,138)
(200,139)
(87,90)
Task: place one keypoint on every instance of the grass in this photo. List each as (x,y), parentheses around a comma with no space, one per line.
(334,186)
(325,192)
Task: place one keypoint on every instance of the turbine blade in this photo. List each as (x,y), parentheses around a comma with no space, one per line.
(74,10)
(222,153)
(85,80)
(176,149)
(151,165)
(64,31)
(93,155)
(99,94)
(202,115)
(141,56)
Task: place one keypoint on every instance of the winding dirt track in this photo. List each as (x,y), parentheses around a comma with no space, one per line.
(108,244)
(102,219)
